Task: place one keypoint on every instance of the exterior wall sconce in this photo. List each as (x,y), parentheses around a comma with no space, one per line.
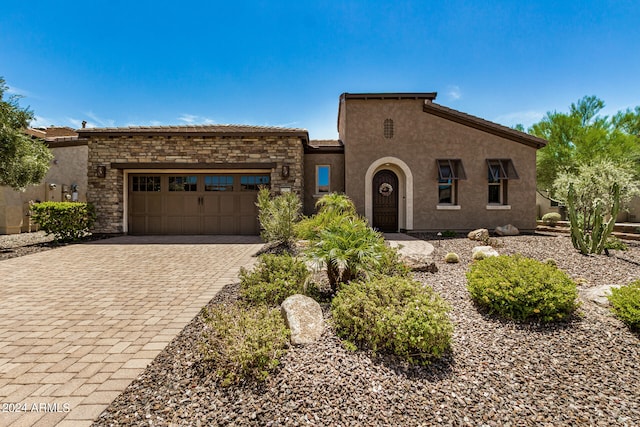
(101,171)
(285,171)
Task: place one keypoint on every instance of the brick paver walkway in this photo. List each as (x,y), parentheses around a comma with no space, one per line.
(79,323)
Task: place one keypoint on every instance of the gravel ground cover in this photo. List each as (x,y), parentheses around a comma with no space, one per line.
(498,373)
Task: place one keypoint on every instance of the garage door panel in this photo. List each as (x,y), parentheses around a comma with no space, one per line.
(228,225)
(248,225)
(221,207)
(228,204)
(154,224)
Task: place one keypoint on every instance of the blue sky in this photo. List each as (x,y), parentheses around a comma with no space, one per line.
(285,63)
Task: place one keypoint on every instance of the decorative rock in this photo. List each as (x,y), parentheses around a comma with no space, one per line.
(419,263)
(507,230)
(303,317)
(481,234)
(598,294)
(487,251)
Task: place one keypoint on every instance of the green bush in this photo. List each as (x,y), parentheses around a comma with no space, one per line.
(626,304)
(273,279)
(452,258)
(616,244)
(393,315)
(65,220)
(521,288)
(243,343)
(551,218)
(389,263)
(278,215)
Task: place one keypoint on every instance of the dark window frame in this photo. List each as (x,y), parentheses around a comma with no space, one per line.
(499,172)
(450,171)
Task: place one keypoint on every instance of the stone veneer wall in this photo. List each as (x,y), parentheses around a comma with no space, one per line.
(107,193)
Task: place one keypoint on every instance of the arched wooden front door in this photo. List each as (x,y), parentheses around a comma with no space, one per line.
(385,201)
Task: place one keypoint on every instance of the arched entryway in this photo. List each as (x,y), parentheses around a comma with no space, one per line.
(385,201)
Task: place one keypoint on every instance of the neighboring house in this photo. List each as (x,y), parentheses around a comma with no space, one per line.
(65,180)
(406,162)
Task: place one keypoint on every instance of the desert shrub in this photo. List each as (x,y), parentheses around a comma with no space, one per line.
(278,215)
(393,315)
(452,258)
(273,279)
(242,343)
(390,264)
(521,288)
(626,304)
(551,218)
(613,243)
(65,220)
(550,261)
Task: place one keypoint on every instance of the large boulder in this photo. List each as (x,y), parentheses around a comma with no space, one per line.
(507,230)
(303,317)
(480,235)
(598,294)
(419,263)
(480,252)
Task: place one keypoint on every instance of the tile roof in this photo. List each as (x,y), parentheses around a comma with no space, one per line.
(325,143)
(194,129)
(483,125)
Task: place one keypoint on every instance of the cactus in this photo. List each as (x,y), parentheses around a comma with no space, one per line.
(589,231)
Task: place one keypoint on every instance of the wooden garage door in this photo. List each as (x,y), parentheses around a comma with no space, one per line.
(194,203)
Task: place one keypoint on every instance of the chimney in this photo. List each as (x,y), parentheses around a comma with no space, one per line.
(84,124)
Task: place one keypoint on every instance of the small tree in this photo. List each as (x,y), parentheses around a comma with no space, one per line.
(23,161)
(594,197)
(348,248)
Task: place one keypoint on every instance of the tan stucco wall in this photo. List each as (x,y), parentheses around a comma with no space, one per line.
(107,194)
(336,179)
(68,167)
(420,138)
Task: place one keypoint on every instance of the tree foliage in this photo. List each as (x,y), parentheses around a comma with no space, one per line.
(582,136)
(23,160)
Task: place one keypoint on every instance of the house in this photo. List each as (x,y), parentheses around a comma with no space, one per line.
(65,180)
(406,162)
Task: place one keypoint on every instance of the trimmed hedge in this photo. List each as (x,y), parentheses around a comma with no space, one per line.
(625,302)
(394,315)
(521,288)
(65,220)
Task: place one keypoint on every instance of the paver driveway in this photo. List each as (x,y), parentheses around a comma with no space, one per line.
(79,323)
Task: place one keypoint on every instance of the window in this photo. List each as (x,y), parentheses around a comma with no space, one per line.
(218,183)
(323,179)
(388,128)
(449,172)
(146,183)
(499,171)
(183,183)
(253,182)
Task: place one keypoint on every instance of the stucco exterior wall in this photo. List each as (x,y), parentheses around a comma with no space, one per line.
(107,194)
(311,160)
(68,167)
(419,139)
